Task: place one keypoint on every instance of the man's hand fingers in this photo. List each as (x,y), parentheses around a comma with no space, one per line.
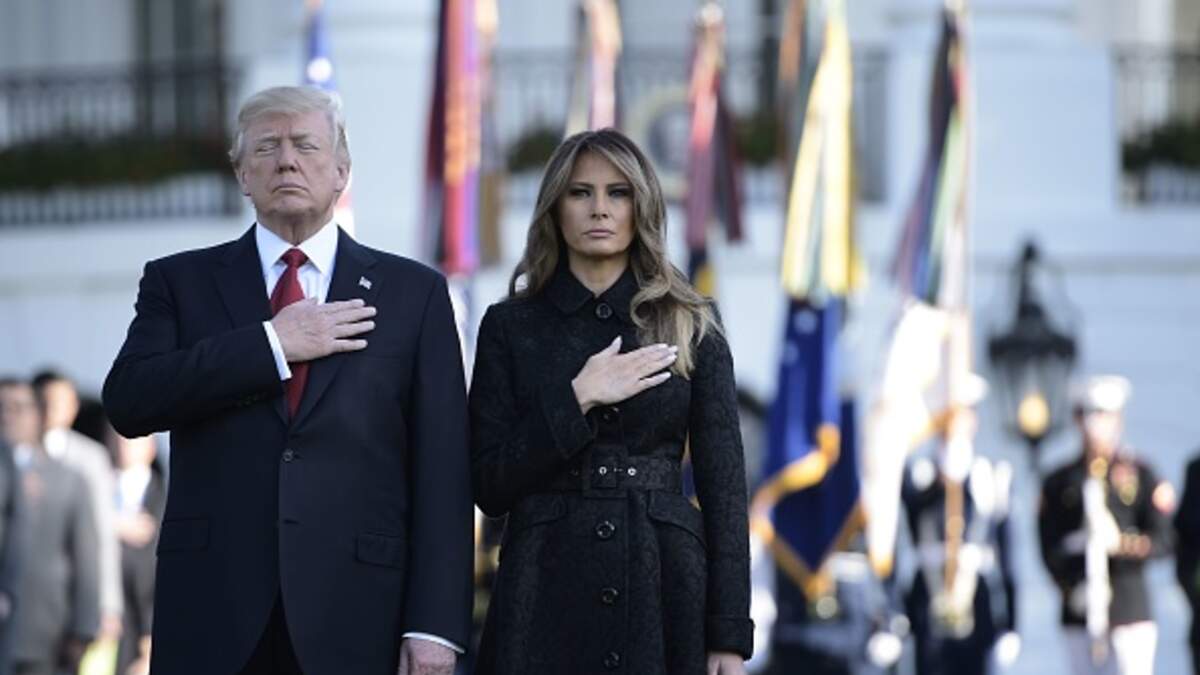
(345,330)
(343,305)
(349,314)
(404,669)
(348,346)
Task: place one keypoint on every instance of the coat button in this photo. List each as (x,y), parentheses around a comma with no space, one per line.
(603,311)
(609,595)
(612,661)
(606,529)
(288,455)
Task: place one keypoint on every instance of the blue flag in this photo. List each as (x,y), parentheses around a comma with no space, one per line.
(808,500)
(318,57)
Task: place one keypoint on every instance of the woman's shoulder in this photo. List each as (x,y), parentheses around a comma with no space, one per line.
(513,309)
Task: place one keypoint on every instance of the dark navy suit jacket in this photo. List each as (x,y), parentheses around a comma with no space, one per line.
(357,512)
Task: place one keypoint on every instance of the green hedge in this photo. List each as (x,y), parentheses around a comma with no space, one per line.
(81,162)
(1174,143)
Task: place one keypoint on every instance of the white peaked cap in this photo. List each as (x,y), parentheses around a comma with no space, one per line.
(1103,393)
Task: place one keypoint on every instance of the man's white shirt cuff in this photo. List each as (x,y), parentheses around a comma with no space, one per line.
(433,638)
(281,364)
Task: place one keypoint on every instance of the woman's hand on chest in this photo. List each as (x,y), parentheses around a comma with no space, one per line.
(609,376)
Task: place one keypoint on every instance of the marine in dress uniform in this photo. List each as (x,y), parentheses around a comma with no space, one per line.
(1100,518)
(962,600)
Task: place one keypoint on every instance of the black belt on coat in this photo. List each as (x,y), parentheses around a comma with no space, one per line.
(613,473)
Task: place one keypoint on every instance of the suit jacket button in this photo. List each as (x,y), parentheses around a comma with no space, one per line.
(606,529)
(603,311)
(609,595)
(612,661)
(288,455)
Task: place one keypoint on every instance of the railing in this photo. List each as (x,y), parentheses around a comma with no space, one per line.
(145,142)
(532,91)
(1158,118)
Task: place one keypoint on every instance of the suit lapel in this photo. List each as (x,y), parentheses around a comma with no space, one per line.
(240,281)
(352,278)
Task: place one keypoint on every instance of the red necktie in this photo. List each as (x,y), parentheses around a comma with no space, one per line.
(288,290)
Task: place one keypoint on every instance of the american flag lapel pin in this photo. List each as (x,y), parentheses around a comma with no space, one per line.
(364,282)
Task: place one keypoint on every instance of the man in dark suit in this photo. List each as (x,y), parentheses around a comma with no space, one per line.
(57,587)
(141,496)
(319,505)
(1187,561)
(10,492)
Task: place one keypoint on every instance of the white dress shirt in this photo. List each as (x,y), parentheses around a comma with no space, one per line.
(314,276)
(132,483)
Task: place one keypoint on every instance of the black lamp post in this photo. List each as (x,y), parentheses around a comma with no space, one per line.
(1032,363)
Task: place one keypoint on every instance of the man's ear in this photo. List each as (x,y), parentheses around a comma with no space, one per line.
(241,179)
(343,176)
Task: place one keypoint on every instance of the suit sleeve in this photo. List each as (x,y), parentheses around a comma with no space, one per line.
(10,536)
(511,450)
(439,592)
(84,546)
(101,488)
(156,384)
(1155,522)
(1051,532)
(1187,535)
(720,475)
(1007,575)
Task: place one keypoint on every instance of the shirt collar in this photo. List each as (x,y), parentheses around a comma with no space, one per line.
(321,248)
(569,294)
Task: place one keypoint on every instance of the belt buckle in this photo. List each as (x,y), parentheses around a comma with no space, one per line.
(606,476)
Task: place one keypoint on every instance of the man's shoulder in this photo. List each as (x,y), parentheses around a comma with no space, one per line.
(513,309)
(86,453)
(415,274)
(196,256)
(1192,472)
(1060,477)
(61,477)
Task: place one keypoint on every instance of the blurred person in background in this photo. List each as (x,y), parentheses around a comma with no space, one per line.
(141,498)
(588,381)
(1101,517)
(962,601)
(1187,554)
(856,629)
(318,517)
(10,537)
(58,612)
(91,460)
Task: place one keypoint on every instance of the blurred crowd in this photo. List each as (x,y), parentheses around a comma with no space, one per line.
(79,515)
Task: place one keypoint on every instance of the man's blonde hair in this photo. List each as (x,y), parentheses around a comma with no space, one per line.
(291,101)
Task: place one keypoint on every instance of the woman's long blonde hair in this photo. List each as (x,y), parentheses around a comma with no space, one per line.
(665,308)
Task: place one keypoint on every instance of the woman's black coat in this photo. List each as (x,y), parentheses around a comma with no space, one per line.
(605,566)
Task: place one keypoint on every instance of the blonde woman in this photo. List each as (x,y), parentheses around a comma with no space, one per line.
(589,381)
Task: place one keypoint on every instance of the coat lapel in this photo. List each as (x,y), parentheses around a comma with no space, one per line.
(352,278)
(240,282)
